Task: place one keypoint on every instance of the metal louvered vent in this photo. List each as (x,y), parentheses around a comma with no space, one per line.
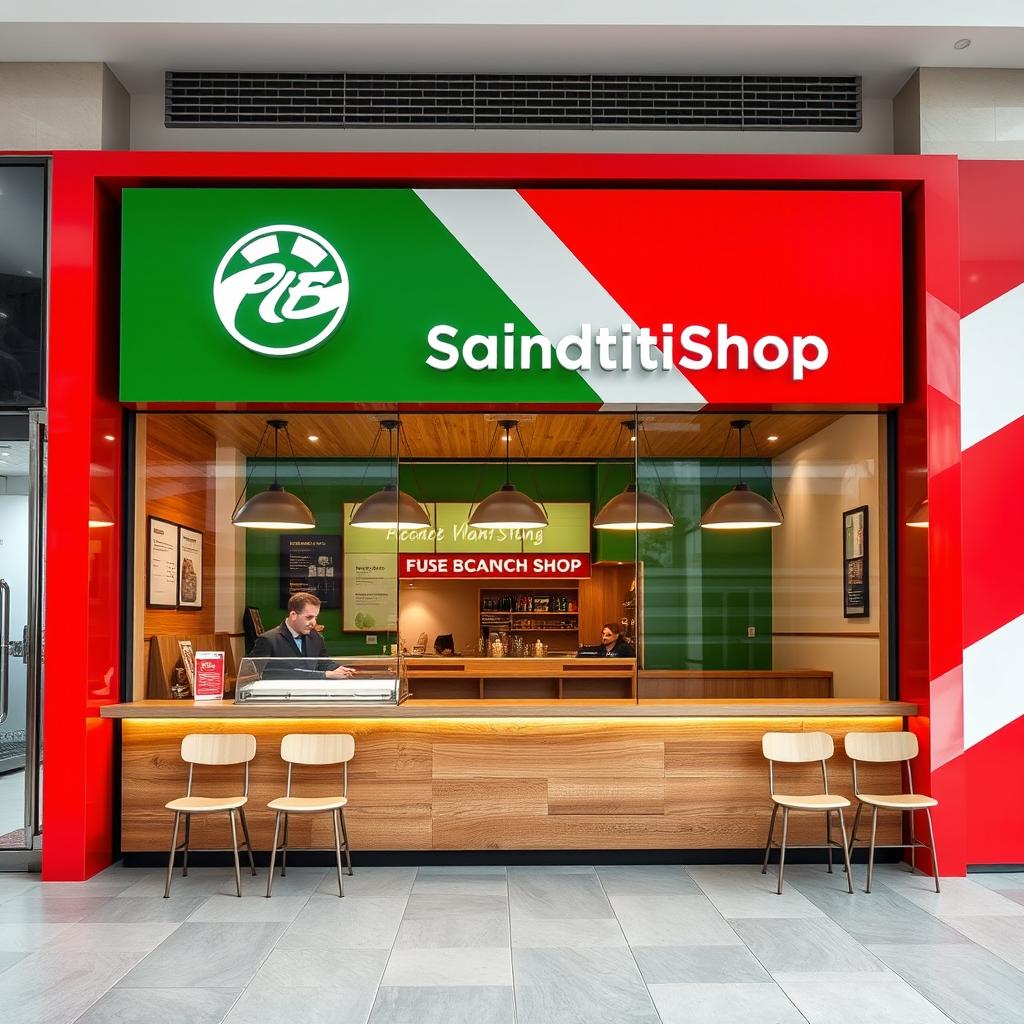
(228,99)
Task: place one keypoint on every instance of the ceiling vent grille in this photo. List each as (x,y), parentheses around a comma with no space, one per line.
(228,99)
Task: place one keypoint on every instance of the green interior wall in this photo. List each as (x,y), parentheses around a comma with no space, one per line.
(702,589)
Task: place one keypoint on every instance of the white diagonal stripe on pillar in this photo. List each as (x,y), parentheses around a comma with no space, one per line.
(993,694)
(539,273)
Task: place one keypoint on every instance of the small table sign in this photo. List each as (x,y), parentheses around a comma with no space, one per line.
(209,675)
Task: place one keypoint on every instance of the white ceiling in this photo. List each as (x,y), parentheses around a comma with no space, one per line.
(883,42)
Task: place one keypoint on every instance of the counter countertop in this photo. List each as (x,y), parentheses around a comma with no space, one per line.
(776,708)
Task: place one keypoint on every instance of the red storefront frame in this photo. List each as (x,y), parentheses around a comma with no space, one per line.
(85,566)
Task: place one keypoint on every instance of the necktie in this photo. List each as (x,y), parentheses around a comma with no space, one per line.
(300,640)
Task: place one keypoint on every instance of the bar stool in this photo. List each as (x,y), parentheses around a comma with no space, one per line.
(207,749)
(315,749)
(885,748)
(802,748)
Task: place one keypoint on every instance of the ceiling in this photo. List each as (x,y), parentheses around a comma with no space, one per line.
(546,436)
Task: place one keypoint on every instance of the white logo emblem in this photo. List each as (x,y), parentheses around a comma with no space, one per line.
(303,284)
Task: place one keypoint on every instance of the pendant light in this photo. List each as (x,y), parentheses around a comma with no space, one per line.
(389,508)
(507,508)
(919,515)
(741,508)
(633,509)
(99,514)
(275,508)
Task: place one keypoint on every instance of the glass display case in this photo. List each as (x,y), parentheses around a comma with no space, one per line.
(334,681)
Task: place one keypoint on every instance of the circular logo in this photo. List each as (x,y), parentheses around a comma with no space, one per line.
(281,290)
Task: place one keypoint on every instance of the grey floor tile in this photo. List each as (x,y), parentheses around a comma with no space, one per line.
(551,869)
(1013,894)
(100,885)
(1003,936)
(858,999)
(676,965)
(672,921)
(160,1006)
(322,969)
(10,959)
(114,938)
(298,882)
(22,938)
(447,967)
(208,881)
(144,910)
(249,908)
(471,880)
(1000,881)
(355,922)
(38,907)
(647,880)
(442,870)
(737,1003)
(575,986)
(804,944)
(206,956)
(387,881)
(261,1005)
(970,984)
(562,896)
(454,921)
(960,897)
(444,1005)
(742,891)
(545,933)
(54,987)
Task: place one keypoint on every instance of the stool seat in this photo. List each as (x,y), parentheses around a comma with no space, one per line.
(206,804)
(307,804)
(898,801)
(811,802)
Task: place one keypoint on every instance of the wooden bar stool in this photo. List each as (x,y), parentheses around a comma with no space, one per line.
(885,748)
(207,749)
(315,749)
(803,748)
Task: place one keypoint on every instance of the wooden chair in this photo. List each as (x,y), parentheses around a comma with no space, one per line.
(208,749)
(313,749)
(803,748)
(886,748)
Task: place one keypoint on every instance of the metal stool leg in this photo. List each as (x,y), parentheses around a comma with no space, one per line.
(782,849)
(234,847)
(337,849)
(913,844)
(871,850)
(273,854)
(174,847)
(828,838)
(856,823)
(768,845)
(284,848)
(846,851)
(931,843)
(248,843)
(188,835)
(344,832)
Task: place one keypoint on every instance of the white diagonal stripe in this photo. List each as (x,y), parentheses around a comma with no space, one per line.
(993,690)
(538,272)
(992,367)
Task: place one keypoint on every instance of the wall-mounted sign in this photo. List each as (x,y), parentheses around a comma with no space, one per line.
(856,604)
(370,600)
(491,567)
(720,296)
(190,568)
(161,563)
(313,565)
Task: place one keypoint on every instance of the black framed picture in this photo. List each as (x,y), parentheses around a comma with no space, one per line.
(311,564)
(190,568)
(161,563)
(856,603)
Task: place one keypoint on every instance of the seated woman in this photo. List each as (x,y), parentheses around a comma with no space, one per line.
(613,643)
(444,645)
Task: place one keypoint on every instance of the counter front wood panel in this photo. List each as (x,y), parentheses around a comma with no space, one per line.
(514,784)
(681,684)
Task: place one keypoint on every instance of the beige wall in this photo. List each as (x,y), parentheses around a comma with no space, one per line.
(72,105)
(837,469)
(434,608)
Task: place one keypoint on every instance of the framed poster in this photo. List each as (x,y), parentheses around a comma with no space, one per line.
(190,568)
(161,563)
(855,563)
(312,564)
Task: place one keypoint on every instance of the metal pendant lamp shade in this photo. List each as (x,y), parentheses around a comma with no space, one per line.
(508,509)
(99,515)
(390,509)
(740,509)
(633,510)
(919,515)
(275,508)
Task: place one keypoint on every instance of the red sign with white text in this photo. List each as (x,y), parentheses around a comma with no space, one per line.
(497,566)
(209,675)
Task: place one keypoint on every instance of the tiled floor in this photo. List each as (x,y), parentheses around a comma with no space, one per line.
(533,945)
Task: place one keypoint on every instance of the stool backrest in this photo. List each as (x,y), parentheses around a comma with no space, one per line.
(317,748)
(797,747)
(215,748)
(881,747)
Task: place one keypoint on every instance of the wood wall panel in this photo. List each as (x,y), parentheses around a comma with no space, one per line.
(512,784)
(742,686)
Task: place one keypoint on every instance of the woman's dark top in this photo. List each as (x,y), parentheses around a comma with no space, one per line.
(620,649)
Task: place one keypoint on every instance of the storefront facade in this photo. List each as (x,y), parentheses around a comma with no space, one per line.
(885,339)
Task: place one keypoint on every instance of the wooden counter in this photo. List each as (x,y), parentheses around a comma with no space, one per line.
(506,775)
(684,684)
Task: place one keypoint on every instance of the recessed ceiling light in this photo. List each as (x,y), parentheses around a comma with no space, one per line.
(772,437)
(961,44)
(313,437)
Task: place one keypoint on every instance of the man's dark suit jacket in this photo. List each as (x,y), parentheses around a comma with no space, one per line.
(278,643)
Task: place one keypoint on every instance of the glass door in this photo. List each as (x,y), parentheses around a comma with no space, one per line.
(22,497)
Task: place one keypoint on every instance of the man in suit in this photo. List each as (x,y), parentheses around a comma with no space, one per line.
(296,638)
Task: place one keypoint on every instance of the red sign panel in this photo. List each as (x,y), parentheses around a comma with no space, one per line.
(572,566)
(209,675)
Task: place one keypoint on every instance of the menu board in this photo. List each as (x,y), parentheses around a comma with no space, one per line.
(311,564)
(855,563)
(371,592)
(161,564)
(190,568)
